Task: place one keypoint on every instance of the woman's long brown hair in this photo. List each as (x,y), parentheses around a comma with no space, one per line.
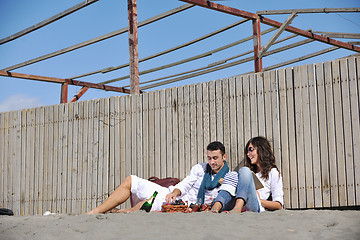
(266,156)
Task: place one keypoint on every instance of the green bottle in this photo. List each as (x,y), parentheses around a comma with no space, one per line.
(148,204)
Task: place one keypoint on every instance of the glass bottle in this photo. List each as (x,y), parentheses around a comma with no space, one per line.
(149,202)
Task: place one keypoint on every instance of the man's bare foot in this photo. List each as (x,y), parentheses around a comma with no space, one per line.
(236,210)
(216,207)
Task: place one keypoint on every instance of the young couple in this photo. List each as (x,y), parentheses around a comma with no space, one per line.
(202,185)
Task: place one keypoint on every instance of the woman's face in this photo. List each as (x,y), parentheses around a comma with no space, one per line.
(253,155)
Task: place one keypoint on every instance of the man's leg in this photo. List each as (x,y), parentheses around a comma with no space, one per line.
(119,196)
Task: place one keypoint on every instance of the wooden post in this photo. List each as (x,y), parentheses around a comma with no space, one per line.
(64,93)
(133,47)
(257,45)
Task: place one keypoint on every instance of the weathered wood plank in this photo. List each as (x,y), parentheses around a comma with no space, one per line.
(339,134)
(157,139)
(233,126)
(187,133)
(193,134)
(151,134)
(175,129)
(206,115)
(17,177)
(309,177)
(284,133)
(169,133)
(348,148)
(299,134)
(314,88)
(226,118)
(247,109)
(294,190)
(2,160)
(163,133)
(354,77)
(200,123)
(253,106)
(181,137)
(23,169)
(262,108)
(334,190)
(212,111)
(240,121)
(145,135)
(322,120)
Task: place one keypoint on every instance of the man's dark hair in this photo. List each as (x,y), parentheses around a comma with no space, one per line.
(213,146)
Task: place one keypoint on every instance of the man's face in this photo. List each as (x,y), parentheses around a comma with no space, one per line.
(215,160)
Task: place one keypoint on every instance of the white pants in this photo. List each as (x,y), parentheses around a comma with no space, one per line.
(142,189)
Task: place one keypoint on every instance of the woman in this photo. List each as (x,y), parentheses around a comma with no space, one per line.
(241,195)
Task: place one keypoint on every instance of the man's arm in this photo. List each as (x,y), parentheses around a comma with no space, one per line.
(171,197)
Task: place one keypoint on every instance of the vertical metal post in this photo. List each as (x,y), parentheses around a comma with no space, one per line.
(64,93)
(257,45)
(133,47)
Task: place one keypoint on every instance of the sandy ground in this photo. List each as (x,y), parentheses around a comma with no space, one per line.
(283,224)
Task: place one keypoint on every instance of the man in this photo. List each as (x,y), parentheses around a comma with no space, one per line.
(200,186)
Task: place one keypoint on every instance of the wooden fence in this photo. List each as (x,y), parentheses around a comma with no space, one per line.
(67,158)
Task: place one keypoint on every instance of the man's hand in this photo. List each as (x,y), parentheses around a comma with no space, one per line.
(171,197)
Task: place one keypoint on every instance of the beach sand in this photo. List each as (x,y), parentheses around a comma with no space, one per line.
(283,224)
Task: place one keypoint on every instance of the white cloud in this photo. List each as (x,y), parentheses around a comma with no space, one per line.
(19,101)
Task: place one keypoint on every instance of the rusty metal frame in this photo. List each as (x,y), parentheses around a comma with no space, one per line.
(253,16)
(64,82)
(133,47)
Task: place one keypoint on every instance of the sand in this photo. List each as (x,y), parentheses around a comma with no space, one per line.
(283,224)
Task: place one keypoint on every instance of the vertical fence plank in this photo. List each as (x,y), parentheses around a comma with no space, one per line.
(299,135)
(193,134)
(112,139)
(225,99)
(187,134)
(262,120)
(254,106)
(96,177)
(206,115)
(163,132)
(199,122)
(292,139)
(354,84)
(219,110)
(240,121)
(324,143)
(2,161)
(139,135)
(181,136)
(125,162)
(309,178)
(169,133)
(73,160)
(265,106)
(284,134)
(339,133)
(106,130)
(89,153)
(16,159)
(157,139)
(175,129)
(23,169)
(212,111)
(348,150)
(80,157)
(145,133)
(331,135)
(151,135)
(233,125)
(7,162)
(60,114)
(275,116)
(315,138)
(85,158)
(247,109)
(49,124)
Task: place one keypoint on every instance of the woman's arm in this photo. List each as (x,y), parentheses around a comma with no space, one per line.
(271,205)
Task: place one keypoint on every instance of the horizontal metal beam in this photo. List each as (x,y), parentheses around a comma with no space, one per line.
(340,35)
(47,21)
(252,16)
(61,80)
(97,39)
(309,10)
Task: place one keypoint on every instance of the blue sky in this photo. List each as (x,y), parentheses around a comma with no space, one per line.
(106,16)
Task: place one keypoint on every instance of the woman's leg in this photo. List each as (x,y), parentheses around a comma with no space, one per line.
(246,193)
(119,196)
